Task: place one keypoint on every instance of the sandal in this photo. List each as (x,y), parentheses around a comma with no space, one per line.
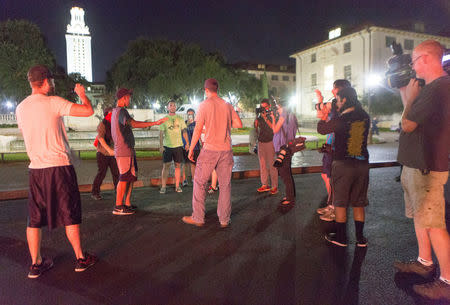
(211,190)
(286,203)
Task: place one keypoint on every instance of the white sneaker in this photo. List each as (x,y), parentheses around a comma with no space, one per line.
(162,190)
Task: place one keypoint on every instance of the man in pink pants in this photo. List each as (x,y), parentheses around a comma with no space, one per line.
(218,117)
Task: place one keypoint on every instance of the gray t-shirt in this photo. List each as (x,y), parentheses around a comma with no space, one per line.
(428,146)
(122,133)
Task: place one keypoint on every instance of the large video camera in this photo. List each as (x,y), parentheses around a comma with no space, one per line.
(399,70)
(290,148)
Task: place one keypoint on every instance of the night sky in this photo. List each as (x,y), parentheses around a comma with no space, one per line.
(253,30)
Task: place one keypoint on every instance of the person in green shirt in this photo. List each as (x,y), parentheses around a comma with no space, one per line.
(171,145)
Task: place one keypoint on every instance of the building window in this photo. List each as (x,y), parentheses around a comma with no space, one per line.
(294,78)
(313,57)
(285,78)
(261,66)
(348,72)
(389,41)
(347,47)
(409,44)
(313,79)
(274,77)
(283,68)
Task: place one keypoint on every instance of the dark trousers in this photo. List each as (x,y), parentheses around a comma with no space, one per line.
(103,162)
(285,173)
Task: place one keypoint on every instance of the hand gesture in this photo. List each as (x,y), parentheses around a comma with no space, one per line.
(186,147)
(79,89)
(319,96)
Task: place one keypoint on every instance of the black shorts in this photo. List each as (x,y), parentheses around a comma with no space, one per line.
(327,160)
(186,153)
(350,181)
(53,199)
(175,154)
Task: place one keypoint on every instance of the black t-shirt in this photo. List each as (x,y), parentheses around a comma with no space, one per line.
(350,131)
(427,147)
(265,132)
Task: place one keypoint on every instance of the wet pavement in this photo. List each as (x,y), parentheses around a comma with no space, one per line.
(266,256)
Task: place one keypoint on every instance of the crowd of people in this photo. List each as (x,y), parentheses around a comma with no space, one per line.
(203,145)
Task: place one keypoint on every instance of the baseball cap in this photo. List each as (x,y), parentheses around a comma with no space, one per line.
(122,92)
(39,73)
(211,84)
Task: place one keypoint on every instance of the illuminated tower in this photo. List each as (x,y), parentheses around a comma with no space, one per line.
(78,41)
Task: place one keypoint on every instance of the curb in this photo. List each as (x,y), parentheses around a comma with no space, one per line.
(245,174)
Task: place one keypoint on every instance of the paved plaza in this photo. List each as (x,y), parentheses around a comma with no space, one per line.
(266,256)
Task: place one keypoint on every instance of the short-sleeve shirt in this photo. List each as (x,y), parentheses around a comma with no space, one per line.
(40,118)
(265,133)
(104,131)
(428,146)
(350,130)
(287,131)
(172,129)
(122,133)
(190,127)
(216,116)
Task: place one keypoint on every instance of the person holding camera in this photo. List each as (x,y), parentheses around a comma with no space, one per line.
(328,111)
(266,150)
(284,128)
(350,167)
(423,151)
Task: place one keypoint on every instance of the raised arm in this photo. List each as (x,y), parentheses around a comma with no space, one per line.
(140,124)
(85,109)
(408,94)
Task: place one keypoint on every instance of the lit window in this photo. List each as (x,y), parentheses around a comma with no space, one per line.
(348,72)
(347,47)
(313,79)
(283,68)
(409,44)
(389,41)
(334,33)
(261,66)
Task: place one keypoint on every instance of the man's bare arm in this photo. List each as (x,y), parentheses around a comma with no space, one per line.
(140,124)
(85,109)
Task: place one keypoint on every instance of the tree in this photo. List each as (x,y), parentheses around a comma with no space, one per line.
(265,86)
(163,70)
(22,46)
(383,102)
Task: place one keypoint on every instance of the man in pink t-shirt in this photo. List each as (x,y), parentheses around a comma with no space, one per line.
(218,117)
(53,199)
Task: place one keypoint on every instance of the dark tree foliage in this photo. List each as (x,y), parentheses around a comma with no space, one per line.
(22,45)
(164,70)
(383,102)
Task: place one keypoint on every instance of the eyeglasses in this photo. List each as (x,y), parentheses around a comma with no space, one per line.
(411,64)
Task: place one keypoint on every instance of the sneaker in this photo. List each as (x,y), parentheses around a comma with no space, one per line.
(274,191)
(36,270)
(96,197)
(331,237)
(123,210)
(211,190)
(435,290)
(185,183)
(162,190)
(263,188)
(414,266)
(132,207)
(330,216)
(178,190)
(362,242)
(84,263)
(190,221)
(324,210)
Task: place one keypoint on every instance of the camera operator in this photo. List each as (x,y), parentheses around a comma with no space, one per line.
(266,150)
(327,111)
(350,167)
(423,151)
(284,130)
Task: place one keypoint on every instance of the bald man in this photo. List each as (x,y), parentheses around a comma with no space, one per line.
(423,152)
